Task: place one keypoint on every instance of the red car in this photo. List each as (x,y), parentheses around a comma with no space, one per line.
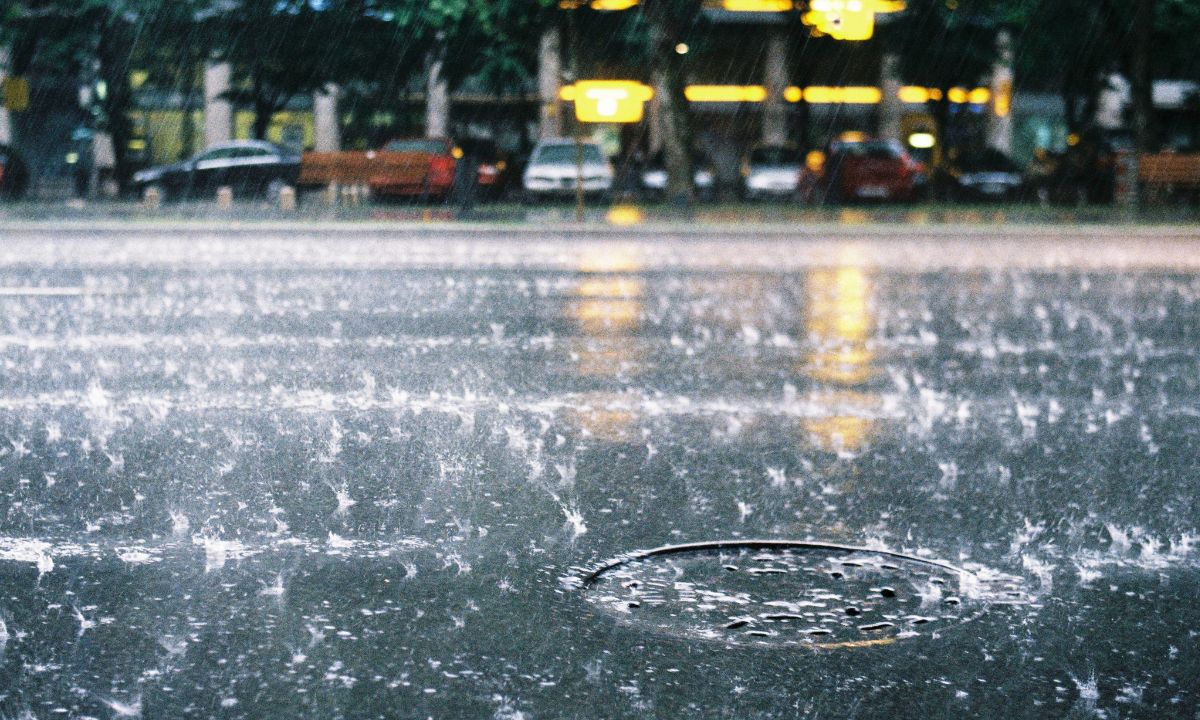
(865,170)
(417,168)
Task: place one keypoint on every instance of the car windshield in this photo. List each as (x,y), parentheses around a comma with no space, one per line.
(988,161)
(878,150)
(699,160)
(565,154)
(776,156)
(417,145)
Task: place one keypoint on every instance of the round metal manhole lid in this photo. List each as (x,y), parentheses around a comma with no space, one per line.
(765,592)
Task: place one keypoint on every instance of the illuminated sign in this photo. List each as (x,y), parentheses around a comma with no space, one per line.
(597,4)
(725,93)
(608,101)
(848,19)
(866,95)
(757,5)
(843,19)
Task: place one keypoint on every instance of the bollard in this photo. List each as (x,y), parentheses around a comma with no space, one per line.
(152,198)
(287,198)
(1126,181)
(331,194)
(225,198)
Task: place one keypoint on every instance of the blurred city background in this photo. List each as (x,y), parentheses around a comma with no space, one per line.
(818,102)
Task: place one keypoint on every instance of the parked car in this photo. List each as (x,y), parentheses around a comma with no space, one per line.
(421,168)
(1085,173)
(865,170)
(492,176)
(14,174)
(771,171)
(653,177)
(984,175)
(553,169)
(248,167)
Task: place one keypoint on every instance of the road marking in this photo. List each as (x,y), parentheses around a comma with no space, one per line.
(41,291)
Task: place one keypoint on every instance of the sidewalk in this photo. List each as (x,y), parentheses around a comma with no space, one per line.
(734,218)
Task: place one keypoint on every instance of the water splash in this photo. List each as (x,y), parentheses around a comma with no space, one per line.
(37,552)
(130,709)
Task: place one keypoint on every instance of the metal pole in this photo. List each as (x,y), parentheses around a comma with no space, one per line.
(574,40)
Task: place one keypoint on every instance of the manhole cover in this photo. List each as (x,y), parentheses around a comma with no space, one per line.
(791,593)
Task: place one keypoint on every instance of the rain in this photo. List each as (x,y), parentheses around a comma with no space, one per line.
(610,359)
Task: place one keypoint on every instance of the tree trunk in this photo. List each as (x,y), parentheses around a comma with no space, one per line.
(113,56)
(262,118)
(187,128)
(1070,109)
(1141,80)
(667,78)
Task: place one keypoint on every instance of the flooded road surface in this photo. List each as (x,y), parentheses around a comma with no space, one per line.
(360,477)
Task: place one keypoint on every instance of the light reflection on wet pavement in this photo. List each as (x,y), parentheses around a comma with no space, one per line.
(346,478)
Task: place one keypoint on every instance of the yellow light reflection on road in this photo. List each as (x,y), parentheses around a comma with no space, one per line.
(604,415)
(607,307)
(840,323)
(610,258)
(849,424)
(625,215)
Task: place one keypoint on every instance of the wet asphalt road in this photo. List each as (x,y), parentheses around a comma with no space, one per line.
(346,473)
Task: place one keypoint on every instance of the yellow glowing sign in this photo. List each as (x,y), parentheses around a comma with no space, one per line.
(757,5)
(864,95)
(608,101)
(848,19)
(915,94)
(843,19)
(725,93)
(597,4)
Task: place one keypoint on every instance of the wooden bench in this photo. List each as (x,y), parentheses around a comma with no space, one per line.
(320,169)
(1170,175)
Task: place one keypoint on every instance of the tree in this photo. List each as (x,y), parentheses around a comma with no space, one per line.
(94,41)
(668,23)
(944,45)
(286,48)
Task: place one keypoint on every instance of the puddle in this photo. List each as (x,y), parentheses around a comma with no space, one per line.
(787,593)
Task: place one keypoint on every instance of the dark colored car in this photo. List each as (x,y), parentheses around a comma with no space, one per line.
(984,175)
(653,177)
(14,174)
(493,168)
(249,167)
(866,170)
(1086,172)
